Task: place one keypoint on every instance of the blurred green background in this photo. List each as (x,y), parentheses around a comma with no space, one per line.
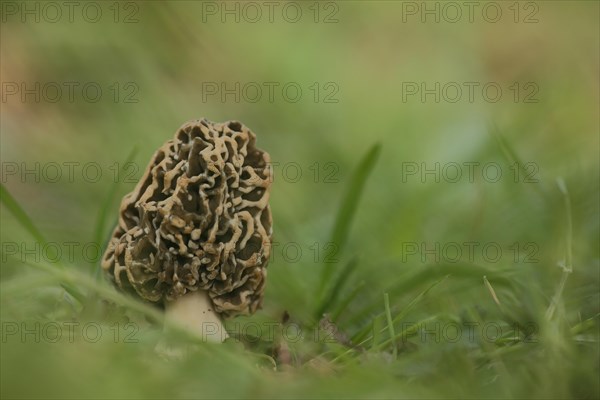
(158,64)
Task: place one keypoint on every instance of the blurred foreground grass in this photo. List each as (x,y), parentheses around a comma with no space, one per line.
(516,326)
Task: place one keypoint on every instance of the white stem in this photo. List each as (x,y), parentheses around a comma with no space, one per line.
(195,312)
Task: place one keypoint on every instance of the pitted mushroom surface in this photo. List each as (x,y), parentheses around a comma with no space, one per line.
(198,220)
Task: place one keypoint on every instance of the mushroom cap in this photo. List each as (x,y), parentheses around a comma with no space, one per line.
(198,219)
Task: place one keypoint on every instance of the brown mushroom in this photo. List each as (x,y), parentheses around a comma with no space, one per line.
(195,233)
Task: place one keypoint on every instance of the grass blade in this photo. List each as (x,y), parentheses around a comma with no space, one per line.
(22,217)
(405,333)
(490,288)
(405,310)
(585,325)
(347,210)
(341,307)
(568,263)
(376,332)
(336,288)
(105,291)
(511,155)
(417,299)
(390,324)
(99,227)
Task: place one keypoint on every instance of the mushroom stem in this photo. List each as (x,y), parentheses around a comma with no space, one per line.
(195,312)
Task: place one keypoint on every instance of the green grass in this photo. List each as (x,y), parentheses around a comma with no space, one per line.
(368,320)
(329,285)
(403,354)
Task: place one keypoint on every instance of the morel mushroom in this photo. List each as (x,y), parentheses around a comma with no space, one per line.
(195,233)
